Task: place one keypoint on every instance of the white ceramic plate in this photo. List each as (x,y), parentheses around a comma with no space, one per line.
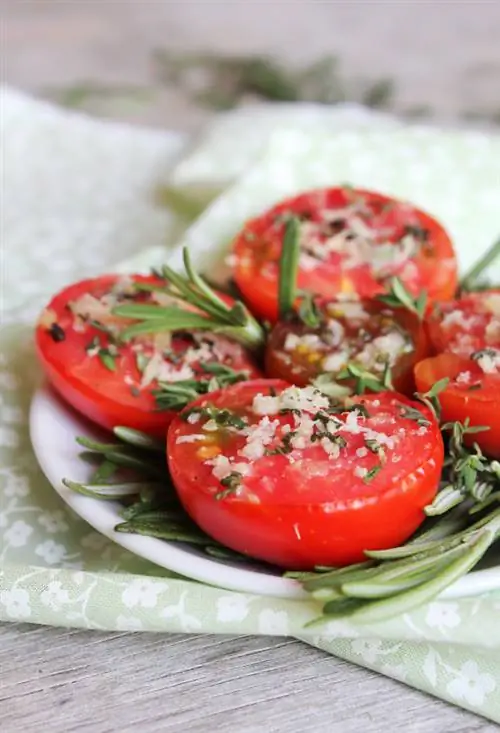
(54,428)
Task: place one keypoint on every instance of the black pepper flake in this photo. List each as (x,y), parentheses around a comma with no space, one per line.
(135,391)
(57,333)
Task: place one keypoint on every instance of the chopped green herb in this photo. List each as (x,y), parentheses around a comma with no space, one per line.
(372,473)
(231,485)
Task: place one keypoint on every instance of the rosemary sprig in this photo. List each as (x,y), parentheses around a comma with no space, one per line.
(390,582)
(399,297)
(190,289)
(177,395)
(393,584)
(289,264)
(470,280)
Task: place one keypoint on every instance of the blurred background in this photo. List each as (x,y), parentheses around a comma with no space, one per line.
(175,63)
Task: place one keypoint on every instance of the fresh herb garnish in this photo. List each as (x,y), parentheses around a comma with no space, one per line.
(288,267)
(231,485)
(222,417)
(367,381)
(108,359)
(176,395)
(307,310)
(431,398)
(372,473)
(399,297)
(234,321)
(471,280)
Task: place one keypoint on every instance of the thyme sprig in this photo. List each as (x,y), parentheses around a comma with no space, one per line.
(214,314)
(365,381)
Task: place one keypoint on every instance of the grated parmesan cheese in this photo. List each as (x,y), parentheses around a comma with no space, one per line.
(193,438)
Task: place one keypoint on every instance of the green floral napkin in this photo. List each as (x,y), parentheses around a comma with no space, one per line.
(80,194)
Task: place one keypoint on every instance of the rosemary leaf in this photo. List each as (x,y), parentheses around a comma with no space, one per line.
(471,278)
(288,268)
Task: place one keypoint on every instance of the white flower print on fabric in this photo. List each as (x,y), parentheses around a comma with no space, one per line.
(368,649)
(471,685)
(14,415)
(187,622)
(442,615)
(8,380)
(18,533)
(16,486)
(94,541)
(338,630)
(272,622)
(54,596)
(232,608)
(16,602)
(50,551)
(53,521)
(143,592)
(8,437)
(128,623)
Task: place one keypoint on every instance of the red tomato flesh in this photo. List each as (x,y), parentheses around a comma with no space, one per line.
(466,325)
(473,393)
(297,481)
(366,333)
(352,241)
(77,328)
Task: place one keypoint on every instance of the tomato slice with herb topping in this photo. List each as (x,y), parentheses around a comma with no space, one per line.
(352,242)
(466,325)
(139,382)
(367,335)
(287,475)
(473,392)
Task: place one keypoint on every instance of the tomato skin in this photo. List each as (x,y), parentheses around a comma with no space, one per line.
(294,531)
(301,369)
(481,406)
(101,395)
(467,324)
(257,246)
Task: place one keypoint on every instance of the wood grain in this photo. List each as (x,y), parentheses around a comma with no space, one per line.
(58,681)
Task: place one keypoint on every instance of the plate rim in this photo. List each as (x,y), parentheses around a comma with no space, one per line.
(198,568)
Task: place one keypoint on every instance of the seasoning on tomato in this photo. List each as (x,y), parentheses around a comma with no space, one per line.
(466,325)
(93,360)
(365,333)
(287,475)
(352,242)
(473,392)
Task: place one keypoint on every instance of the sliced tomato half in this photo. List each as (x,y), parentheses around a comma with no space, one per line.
(473,392)
(367,334)
(352,242)
(113,382)
(286,475)
(466,325)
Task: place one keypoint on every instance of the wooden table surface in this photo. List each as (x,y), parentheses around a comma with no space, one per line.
(57,681)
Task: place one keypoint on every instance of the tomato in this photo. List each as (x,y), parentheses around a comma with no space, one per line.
(366,333)
(286,475)
(473,392)
(352,242)
(113,382)
(466,325)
